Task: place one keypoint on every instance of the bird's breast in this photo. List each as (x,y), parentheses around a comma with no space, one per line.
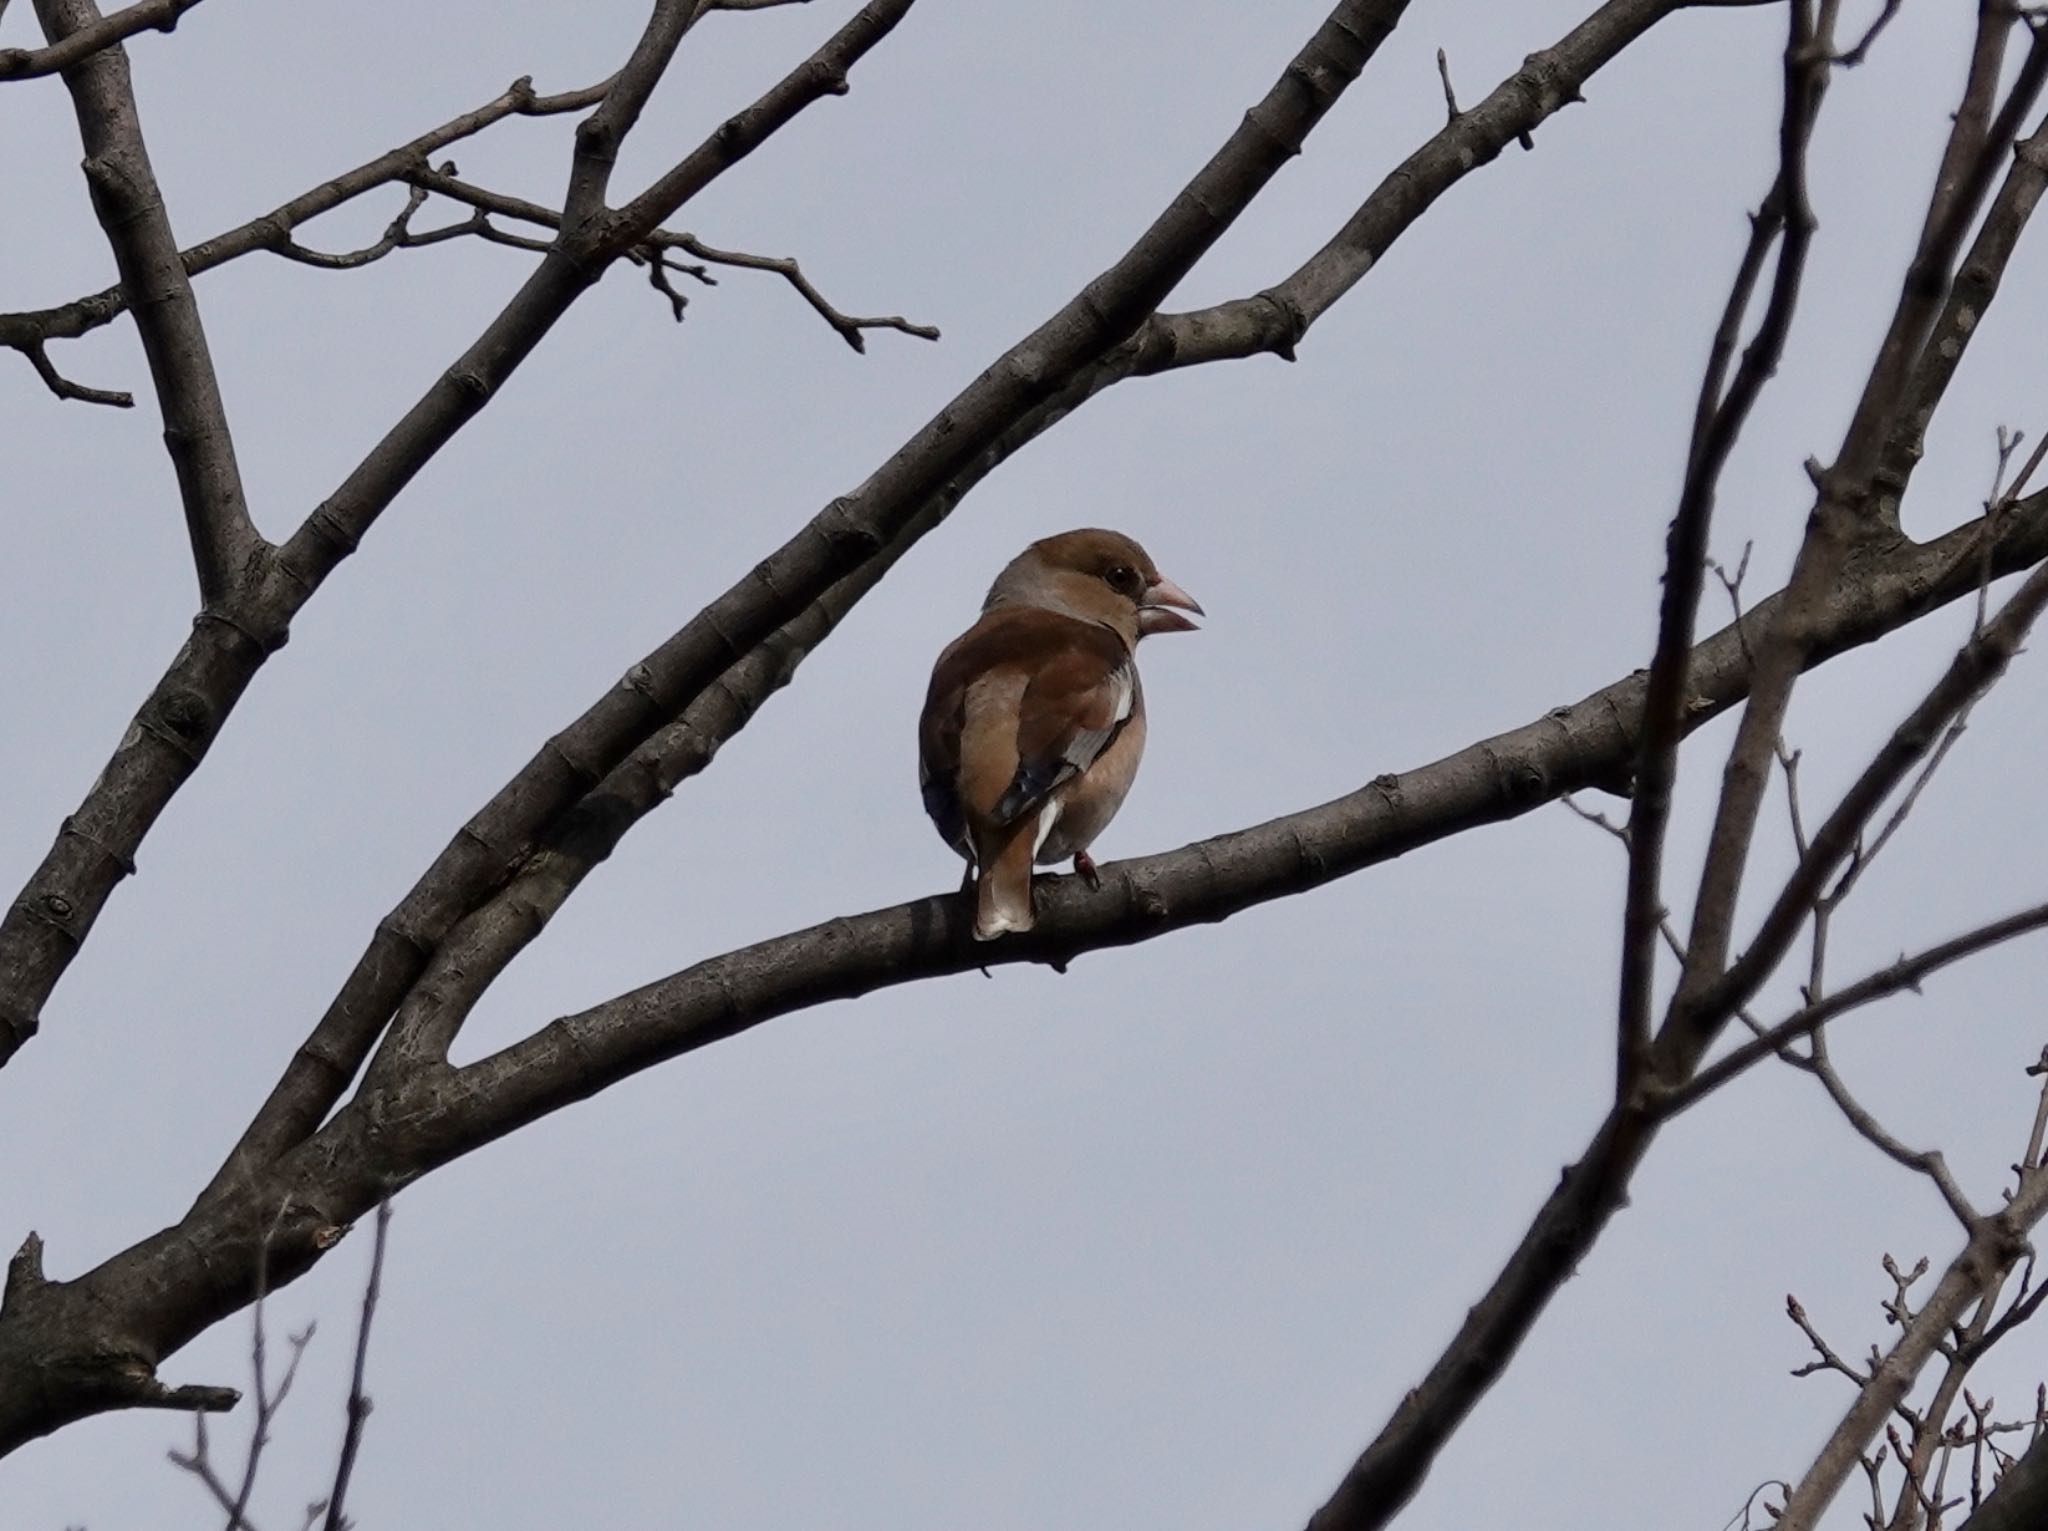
(1090,800)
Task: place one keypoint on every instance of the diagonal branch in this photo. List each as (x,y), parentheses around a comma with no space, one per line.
(1995,1244)
(571,266)
(520,910)
(45,925)
(1497,778)
(599,135)
(1976,284)
(1854,514)
(48,921)
(2020,1501)
(1981,661)
(131,211)
(166,1289)
(1719,423)
(104,32)
(1930,1162)
(1274,321)
(1906,973)
(848,533)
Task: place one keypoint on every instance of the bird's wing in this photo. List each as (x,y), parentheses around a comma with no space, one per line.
(1077,696)
(1051,690)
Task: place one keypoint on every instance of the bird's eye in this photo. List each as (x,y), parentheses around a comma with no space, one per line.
(1123,579)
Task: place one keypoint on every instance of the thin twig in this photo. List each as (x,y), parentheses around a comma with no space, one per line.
(1856,55)
(1906,973)
(268,1401)
(358,1400)
(1827,1360)
(1977,666)
(64,388)
(1928,1162)
(650,253)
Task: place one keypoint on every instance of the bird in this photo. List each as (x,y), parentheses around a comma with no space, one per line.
(1034,721)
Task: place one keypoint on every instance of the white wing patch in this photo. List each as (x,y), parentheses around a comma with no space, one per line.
(1048,815)
(1126,693)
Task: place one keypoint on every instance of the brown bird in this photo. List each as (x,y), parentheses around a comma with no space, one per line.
(1035,720)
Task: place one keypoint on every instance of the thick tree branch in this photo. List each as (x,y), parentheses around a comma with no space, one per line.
(669,715)
(1495,779)
(157,1295)
(1275,320)
(1969,296)
(847,534)
(1970,165)
(131,211)
(77,46)
(44,927)
(599,135)
(2020,1501)
(494,842)
(519,912)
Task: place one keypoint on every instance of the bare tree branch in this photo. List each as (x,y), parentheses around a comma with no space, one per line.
(39,358)
(2020,1501)
(199,1460)
(1718,424)
(83,315)
(1979,664)
(1850,516)
(358,1400)
(1852,56)
(131,211)
(1996,1243)
(1518,102)
(848,327)
(436,1114)
(325,1156)
(45,925)
(340,1171)
(848,533)
(1928,1162)
(1976,283)
(208,676)
(599,135)
(77,46)
(1906,973)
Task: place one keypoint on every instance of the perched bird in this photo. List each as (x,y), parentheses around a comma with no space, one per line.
(1034,722)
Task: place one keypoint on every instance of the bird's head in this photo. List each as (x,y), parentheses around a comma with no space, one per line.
(1097,576)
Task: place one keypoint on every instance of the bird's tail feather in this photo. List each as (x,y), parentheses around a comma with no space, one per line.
(1002,891)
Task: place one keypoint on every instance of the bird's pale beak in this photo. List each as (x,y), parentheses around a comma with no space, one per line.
(1159,610)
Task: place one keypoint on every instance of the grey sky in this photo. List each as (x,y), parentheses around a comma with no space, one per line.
(1161,1242)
